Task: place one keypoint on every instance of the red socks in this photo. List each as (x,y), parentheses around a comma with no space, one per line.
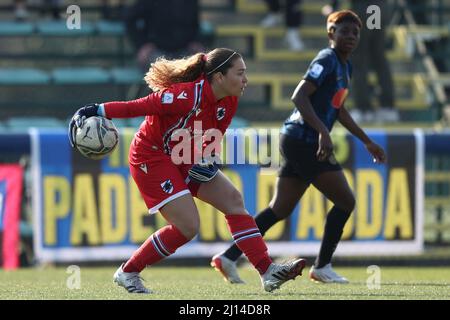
(168,239)
(247,237)
(160,245)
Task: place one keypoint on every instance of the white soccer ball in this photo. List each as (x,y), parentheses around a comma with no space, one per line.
(97,137)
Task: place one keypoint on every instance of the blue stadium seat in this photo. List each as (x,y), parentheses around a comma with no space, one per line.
(23,123)
(238,122)
(135,122)
(3,127)
(59,28)
(86,75)
(126,75)
(13,28)
(23,76)
(110,28)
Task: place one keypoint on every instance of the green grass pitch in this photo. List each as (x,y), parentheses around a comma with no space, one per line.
(202,283)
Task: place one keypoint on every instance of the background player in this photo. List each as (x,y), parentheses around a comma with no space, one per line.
(307,149)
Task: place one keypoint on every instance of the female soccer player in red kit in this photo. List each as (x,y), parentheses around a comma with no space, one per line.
(201,88)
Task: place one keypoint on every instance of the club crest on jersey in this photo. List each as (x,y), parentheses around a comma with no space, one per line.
(220,113)
(167,98)
(167,186)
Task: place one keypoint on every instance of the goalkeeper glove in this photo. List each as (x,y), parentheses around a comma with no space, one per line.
(78,118)
(203,172)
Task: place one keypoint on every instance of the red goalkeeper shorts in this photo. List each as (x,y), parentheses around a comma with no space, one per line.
(160,181)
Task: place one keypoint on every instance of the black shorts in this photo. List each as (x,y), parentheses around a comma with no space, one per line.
(300,160)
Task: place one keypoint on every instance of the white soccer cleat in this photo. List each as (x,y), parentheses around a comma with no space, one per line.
(227,268)
(326,274)
(277,274)
(131,281)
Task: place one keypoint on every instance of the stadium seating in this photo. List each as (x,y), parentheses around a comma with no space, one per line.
(19,124)
(12,28)
(83,75)
(48,54)
(28,76)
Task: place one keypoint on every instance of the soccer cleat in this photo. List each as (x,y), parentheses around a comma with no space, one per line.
(131,281)
(227,268)
(326,274)
(277,274)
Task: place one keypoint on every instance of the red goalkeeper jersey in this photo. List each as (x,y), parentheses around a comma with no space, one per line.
(169,110)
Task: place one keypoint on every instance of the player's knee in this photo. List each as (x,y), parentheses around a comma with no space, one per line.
(235,200)
(349,204)
(190,229)
(189,225)
(281,210)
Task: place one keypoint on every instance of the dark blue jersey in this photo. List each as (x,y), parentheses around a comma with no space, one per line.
(332,78)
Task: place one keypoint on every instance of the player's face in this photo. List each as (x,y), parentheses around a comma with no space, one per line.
(235,80)
(346,37)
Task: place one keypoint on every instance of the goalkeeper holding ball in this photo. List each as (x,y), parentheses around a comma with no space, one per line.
(202,88)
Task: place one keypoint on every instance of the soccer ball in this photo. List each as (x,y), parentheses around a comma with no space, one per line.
(97,137)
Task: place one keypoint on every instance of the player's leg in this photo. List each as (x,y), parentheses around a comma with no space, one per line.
(290,186)
(288,192)
(182,216)
(334,186)
(183,223)
(222,194)
(163,189)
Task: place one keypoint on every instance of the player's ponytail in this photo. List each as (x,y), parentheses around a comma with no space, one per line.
(163,73)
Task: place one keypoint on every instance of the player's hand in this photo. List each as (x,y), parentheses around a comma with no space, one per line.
(377,152)
(78,118)
(203,171)
(325,146)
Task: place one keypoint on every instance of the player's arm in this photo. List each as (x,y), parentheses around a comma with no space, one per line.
(347,121)
(156,103)
(149,105)
(300,98)
(117,109)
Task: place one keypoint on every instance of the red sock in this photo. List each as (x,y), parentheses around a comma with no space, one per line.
(160,245)
(248,238)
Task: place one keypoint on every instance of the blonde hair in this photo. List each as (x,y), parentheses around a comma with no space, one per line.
(163,72)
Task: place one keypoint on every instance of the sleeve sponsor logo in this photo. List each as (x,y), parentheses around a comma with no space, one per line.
(316,70)
(167,98)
